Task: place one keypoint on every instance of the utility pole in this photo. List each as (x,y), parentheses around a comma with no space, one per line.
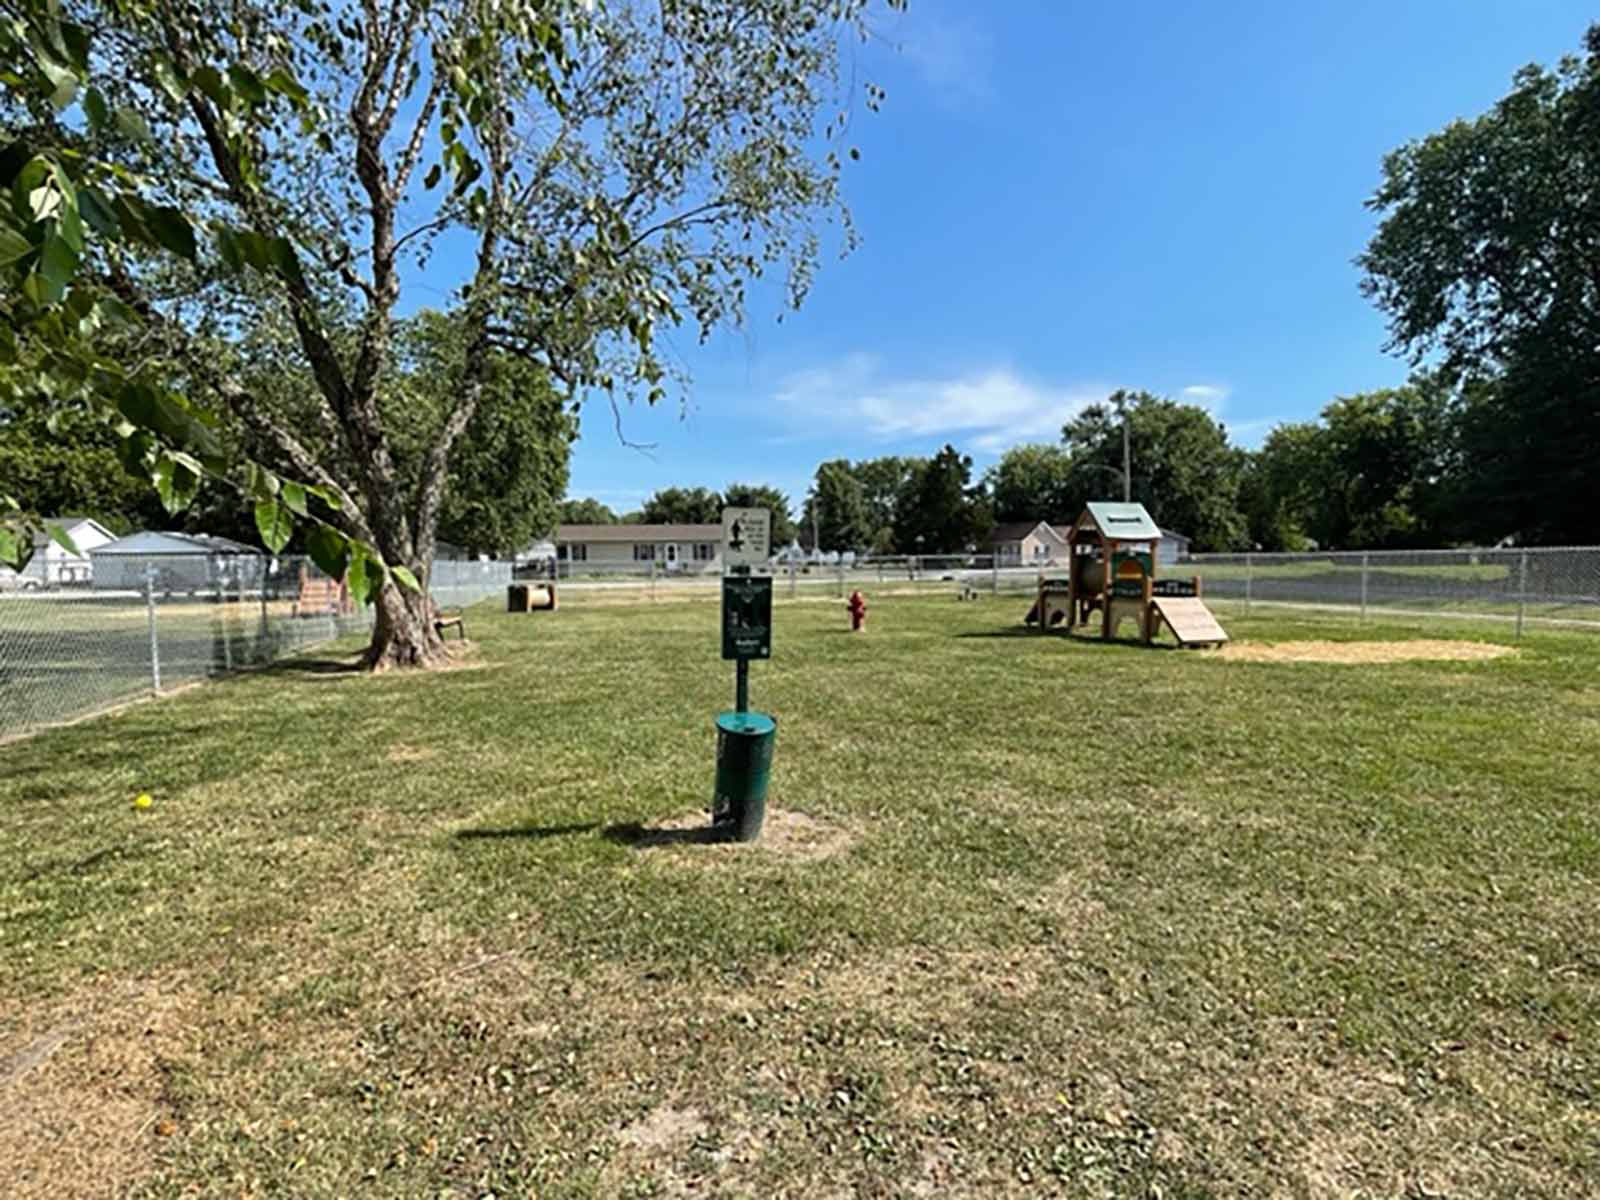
(1127,460)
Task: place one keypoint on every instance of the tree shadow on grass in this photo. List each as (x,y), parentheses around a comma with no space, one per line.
(640,837)
(532,833)
(316,666)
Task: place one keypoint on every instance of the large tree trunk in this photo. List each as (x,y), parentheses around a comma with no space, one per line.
(403,634)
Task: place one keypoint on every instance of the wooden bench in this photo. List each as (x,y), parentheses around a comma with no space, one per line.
(441,622)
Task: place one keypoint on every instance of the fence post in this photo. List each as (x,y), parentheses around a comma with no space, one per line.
(150,612)
(227,633)
(794,583)
(841,576)
(1522,590)
(994,574)
(652,580)
(1365,559)
(1249,578)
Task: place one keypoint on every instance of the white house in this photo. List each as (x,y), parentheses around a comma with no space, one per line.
(177,562)
(53,564)
(693,548)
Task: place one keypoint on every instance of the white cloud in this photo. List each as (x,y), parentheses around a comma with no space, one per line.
(954,55)
(991,409)
(1207,396)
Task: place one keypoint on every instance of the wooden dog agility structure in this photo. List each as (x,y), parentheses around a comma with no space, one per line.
(1111,554)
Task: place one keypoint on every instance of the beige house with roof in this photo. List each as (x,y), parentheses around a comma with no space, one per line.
(1026,544)
(671,548)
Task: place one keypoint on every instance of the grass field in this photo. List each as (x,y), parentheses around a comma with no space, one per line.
(1032,917)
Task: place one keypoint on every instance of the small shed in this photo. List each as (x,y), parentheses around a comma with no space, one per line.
(1172,549)
(176,562)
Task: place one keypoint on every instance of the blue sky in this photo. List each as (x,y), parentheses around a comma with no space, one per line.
(1063,198)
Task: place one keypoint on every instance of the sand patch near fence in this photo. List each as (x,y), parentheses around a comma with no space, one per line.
(1363,652)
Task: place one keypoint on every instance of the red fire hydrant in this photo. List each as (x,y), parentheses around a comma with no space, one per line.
(857,605)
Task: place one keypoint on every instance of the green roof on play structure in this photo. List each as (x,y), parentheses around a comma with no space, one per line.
(1127,522)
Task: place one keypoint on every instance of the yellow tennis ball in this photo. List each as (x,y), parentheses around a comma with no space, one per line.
(142,800)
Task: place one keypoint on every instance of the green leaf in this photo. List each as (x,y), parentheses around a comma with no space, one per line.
(60,536)
(247,83)
(256,249)
(263,483)
(405,579)
(356,574)
(12,547)
(13,247)
(228,248)
(210,82)
(274,525)
(63,82)
(169,79)
(133,125)
(57,265)
(329,549)
(72,225)
(95,108)
(328,496)
(176,483)
(98,213)
(172,229)
(285,259)
(294,495)
(285,84)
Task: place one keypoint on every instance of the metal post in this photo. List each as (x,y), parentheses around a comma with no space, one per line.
(150,612)
(227,635)
(841,576)
(994,573)
(741,685)
(1127,462)
(1522,590)
(652,579)
(1249,578)
(794,579)
(1365,559)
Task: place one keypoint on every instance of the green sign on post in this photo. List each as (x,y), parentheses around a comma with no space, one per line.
(747,617)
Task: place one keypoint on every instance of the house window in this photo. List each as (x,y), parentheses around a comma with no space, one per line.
(577,552)
(644,552)
(704,551)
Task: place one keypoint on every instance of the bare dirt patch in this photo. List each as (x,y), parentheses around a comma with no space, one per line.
(84,1088)
(787,834)
(402,752)
(1363,652)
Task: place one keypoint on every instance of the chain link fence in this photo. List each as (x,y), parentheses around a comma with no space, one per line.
(1545,586)
(167,620)
(1522,587)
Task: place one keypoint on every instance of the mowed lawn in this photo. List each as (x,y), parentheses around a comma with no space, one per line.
(1033,917)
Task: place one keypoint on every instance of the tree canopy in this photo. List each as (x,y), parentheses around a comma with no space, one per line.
(603,173)
(586,512)
(1485,255)
(940,510)
(683,506)
(835,511)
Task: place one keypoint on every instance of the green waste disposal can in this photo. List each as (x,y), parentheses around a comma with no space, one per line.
(744,764)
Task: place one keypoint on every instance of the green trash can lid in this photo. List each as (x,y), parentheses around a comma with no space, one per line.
(747,723)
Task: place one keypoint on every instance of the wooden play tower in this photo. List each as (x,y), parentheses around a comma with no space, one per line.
(1111,554)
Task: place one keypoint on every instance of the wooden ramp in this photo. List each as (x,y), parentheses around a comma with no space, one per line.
(1189,619)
